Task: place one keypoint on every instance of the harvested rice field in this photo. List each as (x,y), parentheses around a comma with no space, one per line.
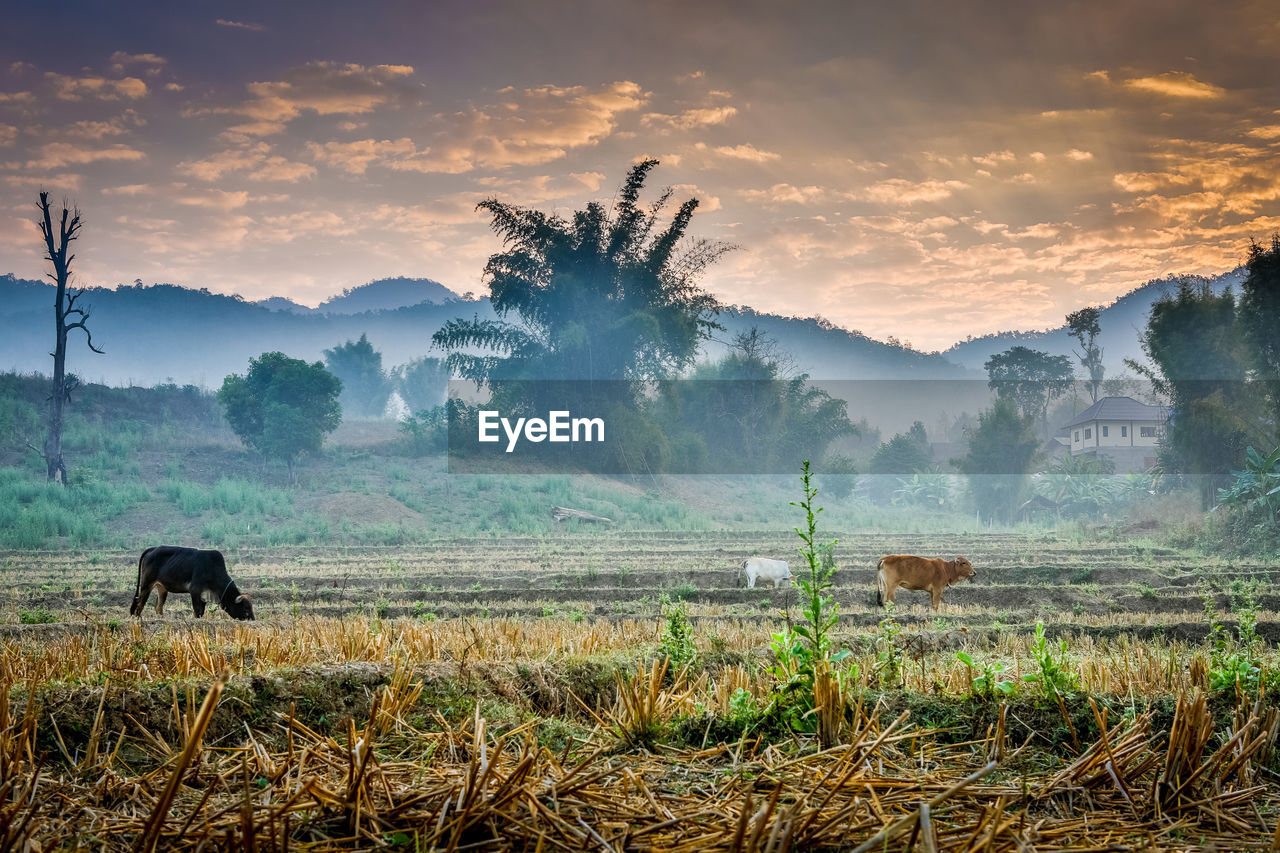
(625,691)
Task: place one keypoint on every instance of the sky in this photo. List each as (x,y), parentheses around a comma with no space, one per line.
(924,171)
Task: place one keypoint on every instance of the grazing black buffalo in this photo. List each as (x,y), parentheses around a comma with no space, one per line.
(199,572)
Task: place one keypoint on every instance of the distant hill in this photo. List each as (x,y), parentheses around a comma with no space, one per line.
(280,303)
(166,333)
(387,294)
(826,351)
(1122,322)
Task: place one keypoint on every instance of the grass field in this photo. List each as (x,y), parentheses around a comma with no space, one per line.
(511,694)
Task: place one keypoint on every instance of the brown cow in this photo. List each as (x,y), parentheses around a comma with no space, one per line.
(935,575)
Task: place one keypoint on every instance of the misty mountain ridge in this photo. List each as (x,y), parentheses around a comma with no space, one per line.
(384,294)
(1121,324)
(169,333)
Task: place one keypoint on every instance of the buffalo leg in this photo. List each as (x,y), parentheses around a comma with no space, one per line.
(140,600)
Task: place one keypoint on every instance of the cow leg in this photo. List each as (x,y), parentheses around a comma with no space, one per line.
(936,594)
(751,582)
(197,600)
(140,600)
(889,593)
(161,595)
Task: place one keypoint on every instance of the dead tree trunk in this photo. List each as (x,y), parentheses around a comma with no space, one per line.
(561,513)
(57,243)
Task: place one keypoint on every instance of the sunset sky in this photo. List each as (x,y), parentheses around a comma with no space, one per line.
(928,170)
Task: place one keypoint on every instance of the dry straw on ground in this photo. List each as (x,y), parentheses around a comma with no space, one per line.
(883,785)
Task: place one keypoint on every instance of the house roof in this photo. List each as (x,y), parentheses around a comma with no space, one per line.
(1118,409)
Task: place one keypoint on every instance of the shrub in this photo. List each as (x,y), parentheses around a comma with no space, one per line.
(677,637)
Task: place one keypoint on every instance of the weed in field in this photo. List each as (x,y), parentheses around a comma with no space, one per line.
(677,637)
(987,684)
(1053,676)
(820,611)
(684,591)
(888,668)
(803,661)
(1235,663)
(36,616)
(1084,575)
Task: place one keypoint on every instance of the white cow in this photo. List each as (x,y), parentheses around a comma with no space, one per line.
(759,568)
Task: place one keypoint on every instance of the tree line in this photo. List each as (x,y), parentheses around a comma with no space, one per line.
(610,298)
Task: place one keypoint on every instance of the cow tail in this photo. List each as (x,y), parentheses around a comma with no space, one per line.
(880,584)
(137,588)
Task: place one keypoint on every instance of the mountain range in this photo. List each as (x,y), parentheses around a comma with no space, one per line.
(169,333)
(1122,323)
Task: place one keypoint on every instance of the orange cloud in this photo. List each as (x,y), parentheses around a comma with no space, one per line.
(689,119)
(325,88)
(255,159)
(1176,84)
(120,60)
(211,199)
(532,127)
(355,157)
(785,194)
(57,154)
(67,88)
(746,152)
(899,191)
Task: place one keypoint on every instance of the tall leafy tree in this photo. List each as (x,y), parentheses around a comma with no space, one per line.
(906,453)
(58,237)
(365,387)
(423,383)
(599,295)
(283,407)
(1083,325)
(1002,449)
(744,409)
(1260,317)
(1031,379)
(1200,362)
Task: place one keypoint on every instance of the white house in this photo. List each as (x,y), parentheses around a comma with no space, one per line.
(1121,428)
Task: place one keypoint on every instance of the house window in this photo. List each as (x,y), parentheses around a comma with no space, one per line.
(1088,434)
(1077,436)
(1124,432)
(1104,431)
(1147,432)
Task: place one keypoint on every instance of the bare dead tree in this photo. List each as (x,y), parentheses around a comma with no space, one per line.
(67,317)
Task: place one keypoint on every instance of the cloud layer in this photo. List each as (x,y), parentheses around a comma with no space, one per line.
(870,169)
